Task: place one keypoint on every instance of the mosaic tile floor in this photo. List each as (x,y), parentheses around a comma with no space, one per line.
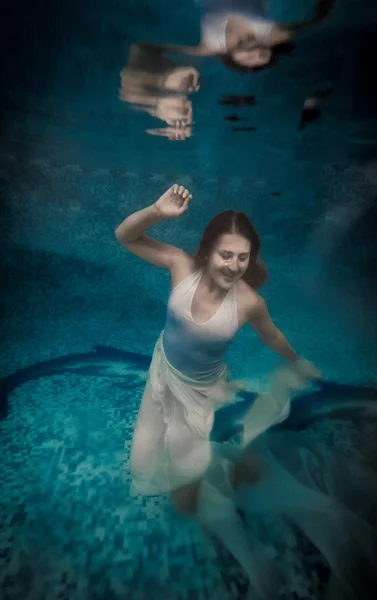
(70,526)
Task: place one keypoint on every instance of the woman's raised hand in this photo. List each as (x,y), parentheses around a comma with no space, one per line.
(174,202)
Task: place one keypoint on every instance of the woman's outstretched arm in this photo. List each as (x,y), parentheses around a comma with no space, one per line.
(263,325)
(131,234)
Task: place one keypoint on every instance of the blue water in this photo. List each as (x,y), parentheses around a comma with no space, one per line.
(80,316)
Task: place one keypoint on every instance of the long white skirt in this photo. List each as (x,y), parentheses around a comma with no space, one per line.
(171,445)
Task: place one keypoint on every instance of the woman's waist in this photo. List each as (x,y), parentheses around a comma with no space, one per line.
(196,346)
(201,394)
(191,365)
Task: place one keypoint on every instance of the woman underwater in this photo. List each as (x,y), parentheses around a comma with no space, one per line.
(243,35)
(213,295)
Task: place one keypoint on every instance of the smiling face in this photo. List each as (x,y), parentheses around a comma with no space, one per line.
(256,57)
(228,260)
(243,46)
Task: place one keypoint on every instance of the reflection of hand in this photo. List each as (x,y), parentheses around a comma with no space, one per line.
(174,110)
(172,133)
(182,79)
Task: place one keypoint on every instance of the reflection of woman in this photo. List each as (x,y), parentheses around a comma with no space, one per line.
(157,85)
(213,295)
(241,32)
(176,132)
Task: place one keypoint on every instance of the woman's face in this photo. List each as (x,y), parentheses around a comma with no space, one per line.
(229,260)
(255,57)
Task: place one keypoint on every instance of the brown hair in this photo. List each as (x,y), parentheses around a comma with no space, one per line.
(277,51)
(230,221)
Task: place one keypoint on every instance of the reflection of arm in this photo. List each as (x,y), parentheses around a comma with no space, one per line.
(200,50)
(321,11)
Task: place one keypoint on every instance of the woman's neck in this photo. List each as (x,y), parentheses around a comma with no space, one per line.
(214,291)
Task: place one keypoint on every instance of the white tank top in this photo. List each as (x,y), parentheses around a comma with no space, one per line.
(197,350)
(214,29)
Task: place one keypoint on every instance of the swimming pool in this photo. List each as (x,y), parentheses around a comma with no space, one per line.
(75,162)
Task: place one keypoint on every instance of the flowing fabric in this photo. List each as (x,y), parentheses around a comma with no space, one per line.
(171,445)
(303,486)
(290,491)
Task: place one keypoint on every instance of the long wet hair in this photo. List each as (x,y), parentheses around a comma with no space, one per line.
(277,52)
(231,221)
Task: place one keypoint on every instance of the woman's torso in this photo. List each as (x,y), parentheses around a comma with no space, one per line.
(245,295)
(198,330)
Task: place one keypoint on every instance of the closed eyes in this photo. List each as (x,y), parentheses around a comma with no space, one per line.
(241,257)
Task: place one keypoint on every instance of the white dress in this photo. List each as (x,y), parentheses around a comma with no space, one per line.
(215,16)
(187,382)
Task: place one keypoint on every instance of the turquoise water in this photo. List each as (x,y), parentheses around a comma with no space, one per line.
(80,316)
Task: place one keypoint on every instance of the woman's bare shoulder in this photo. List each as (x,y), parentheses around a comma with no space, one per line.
(184,266)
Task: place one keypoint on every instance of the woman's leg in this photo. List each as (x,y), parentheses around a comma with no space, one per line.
(148,439)
(247,470)
(188,452)
(185,499)
(218,515)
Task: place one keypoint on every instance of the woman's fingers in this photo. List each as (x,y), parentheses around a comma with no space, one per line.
(307,369)
(185,204)
(180,190)
(237,385)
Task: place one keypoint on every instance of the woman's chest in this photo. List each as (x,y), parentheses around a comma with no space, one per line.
(233,308)
(204,309)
